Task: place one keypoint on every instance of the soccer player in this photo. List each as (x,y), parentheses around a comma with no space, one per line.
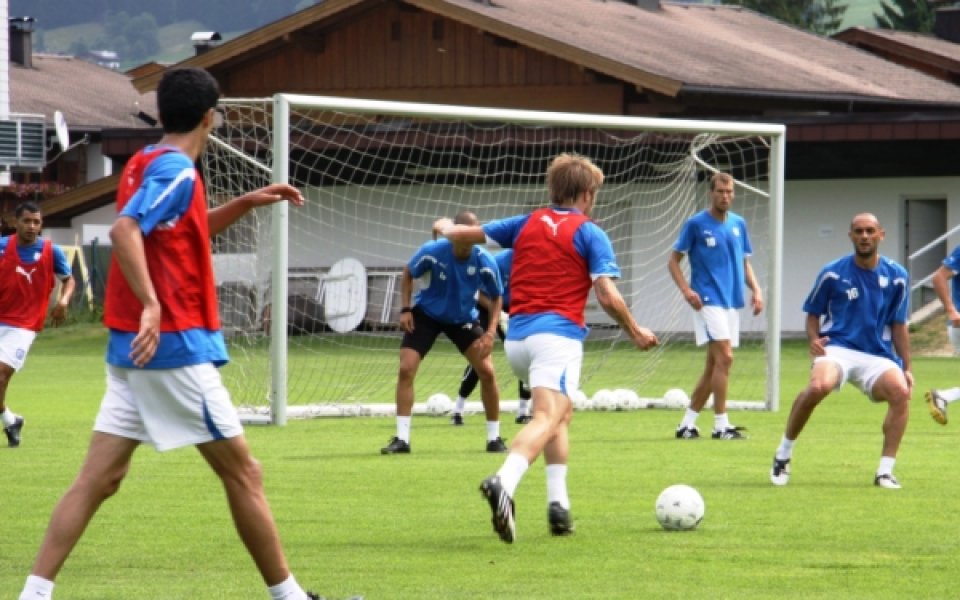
(718,244)
(946,283)
(857,327)
(28,266)
(469,380)
(559,255)
(165,343)
(452,274)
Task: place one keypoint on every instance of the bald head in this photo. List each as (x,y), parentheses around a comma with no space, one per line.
(466,217)
(864,219)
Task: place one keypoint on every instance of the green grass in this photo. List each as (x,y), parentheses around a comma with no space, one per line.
(355,522)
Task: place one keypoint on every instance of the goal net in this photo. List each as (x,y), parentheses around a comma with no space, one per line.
(310,296)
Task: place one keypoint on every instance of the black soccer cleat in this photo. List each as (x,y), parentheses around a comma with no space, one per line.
(13,432)
(523,419)
(501,506)
(396,446)
(456,419)
(729,433)
(497,445)
(559,519)
(780,471)
(688,433)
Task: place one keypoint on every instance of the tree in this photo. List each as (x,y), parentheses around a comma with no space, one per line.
(819,16)
(909,15)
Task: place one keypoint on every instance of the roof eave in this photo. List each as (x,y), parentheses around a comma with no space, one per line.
(837,98)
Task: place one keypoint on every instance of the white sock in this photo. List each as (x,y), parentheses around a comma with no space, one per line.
(557,485)
(522,407)
(458,407)
(689,419)
(886,465)
(403,428)
(785,449)
(721,422)
(36,588)
(512,471)
(950,395)
(8,417)
(493,430)
(288,589)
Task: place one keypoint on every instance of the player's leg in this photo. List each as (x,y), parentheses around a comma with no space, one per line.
(939,399)
(469,381)
(12,422)
(721,352)
(14,345)
(482,365)
(414,346)
(106,464)
(890,387)
(524,414)
(555,454)
(826,375)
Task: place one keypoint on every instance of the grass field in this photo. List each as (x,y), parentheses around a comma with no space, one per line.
(357,523)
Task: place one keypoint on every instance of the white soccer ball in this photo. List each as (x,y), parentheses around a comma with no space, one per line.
(676,398)
(604,400)
(627,399)
(680,508)
(439,404)
(580,400)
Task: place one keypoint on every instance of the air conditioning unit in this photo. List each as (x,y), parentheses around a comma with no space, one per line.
(23,142)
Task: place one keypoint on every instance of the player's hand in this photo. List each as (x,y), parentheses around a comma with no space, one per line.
(757,304)
(439,225)
(276,192)
(406,322)
(818,347)
(954,318)
(58,315)
(645,339)
(144,346)
(693,299)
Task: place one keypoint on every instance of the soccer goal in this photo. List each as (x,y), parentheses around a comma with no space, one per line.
(310,296)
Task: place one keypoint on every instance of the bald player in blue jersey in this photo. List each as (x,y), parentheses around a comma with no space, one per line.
(857,327)
(718,244)
(452,275)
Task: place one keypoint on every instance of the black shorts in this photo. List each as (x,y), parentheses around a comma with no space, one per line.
(426,329)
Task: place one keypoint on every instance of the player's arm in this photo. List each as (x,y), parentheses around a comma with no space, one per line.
(818,344)
(941,285)
(128,250)
(613,304)
(753,285)
(459,233)
(226,215)
(676,273)
(406,300)
(67,287)
(900,335)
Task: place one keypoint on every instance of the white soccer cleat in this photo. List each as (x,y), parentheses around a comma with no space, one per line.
(887,481)
(780,472)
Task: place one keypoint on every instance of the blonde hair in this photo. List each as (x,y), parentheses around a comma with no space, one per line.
(719,178)
(569,175)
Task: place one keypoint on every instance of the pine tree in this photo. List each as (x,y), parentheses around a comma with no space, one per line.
(906,15)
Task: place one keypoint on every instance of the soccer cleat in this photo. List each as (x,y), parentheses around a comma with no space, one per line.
(937,406)
(688,433)
(312,596)
(559,519)
(523,419)
(396,446)
(456,419)
(730,433)
(13,432)
(780,472)
(496,445)
(887,481)
(501,505)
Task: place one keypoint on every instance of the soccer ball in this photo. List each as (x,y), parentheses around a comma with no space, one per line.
(604,400)
(580,400)
(676,398)
(627,399)
(439,404)
(679,508)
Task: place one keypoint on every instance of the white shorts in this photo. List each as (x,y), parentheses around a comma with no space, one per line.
(168,408)
(954,334)
(715,323)
(859,368)
(14,345)
(546,360)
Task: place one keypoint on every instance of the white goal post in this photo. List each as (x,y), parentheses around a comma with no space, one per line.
(309,295)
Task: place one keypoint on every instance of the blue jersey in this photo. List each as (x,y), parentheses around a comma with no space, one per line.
(952,262)
(31,254)
(165,195)
(858,306)
(504,262)
(717,251)
(590,242)
(450,285)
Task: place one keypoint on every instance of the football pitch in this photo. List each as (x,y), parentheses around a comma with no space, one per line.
(354,522)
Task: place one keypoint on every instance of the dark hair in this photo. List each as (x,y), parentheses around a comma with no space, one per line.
(26,206)
(184,96)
